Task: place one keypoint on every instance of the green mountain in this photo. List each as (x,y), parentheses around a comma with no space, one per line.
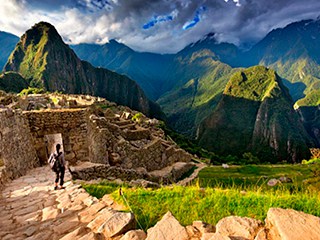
(149,70)
(12,82)
(197,81)
(7,44)
(46,61)
(294,52)
(187,85)
(255,115)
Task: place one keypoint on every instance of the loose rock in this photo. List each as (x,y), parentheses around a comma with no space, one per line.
(168,228)
(239,227)
(289,224)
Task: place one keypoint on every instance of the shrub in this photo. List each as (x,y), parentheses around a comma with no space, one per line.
(137,117)
(311,161)
(31,90)
(249,158)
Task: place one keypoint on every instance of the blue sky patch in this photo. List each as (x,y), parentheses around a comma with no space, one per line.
(157,19)
(196,19)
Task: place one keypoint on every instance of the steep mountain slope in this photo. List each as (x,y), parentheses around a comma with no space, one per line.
(12,82)
(294,52)
(7,44)
(255,115)
(309,110)
(200,80)
(46,61)
(149,70)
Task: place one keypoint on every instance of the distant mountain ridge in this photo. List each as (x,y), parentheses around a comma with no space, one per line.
(46,61)
(173,79)
(7,43)
(294,53)
(142,67)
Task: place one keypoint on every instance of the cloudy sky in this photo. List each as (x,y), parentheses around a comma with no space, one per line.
(156,25)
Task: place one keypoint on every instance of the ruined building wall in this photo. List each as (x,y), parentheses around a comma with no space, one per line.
(17,152)
(122,143)
(71,123)
(98,141)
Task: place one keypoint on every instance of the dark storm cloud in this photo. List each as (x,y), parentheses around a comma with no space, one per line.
(156,25)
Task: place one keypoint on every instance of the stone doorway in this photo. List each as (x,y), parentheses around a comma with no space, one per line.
(51,140)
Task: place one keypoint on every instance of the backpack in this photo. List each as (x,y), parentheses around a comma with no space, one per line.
(54,162)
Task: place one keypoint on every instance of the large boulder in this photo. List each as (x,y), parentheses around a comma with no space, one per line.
(289,224)
(112,223)
(119,223)
(239,227)
(168,228)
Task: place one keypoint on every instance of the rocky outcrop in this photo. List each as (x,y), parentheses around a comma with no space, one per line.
(43,57)
(292,225)
(168,228)
(255,114)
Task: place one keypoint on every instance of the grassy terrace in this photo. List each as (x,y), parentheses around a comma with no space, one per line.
(253,176)
(234,191)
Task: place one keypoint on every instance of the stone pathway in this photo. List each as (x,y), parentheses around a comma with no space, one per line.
(31,209)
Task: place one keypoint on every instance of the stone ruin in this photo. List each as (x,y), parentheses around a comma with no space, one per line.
(100,139)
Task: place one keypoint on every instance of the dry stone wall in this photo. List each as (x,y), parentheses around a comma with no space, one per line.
(71,123)
(120,142)
(17,152)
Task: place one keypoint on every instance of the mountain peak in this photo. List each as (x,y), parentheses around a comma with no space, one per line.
(43,24)
(43,29)
(254,83)
(46,61)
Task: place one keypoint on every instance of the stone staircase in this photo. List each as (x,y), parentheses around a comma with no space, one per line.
(31,209)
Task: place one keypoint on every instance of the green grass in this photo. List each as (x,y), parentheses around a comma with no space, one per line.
(99,190)
(209,204)
(249,176)
(238,190)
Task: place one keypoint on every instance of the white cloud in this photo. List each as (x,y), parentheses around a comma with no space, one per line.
(79,21)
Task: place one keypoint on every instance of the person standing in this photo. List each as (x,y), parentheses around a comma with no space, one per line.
(59,167)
